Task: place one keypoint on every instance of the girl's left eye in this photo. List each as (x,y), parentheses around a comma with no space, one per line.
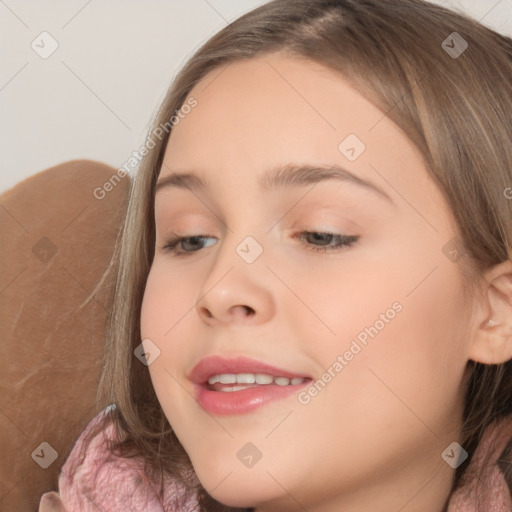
(340,241)
(324,239)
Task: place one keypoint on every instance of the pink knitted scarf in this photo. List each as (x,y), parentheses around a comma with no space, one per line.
(95,480)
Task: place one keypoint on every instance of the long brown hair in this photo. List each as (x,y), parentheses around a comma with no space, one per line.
(457,110)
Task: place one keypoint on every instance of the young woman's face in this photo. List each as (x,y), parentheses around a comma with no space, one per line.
(377,324)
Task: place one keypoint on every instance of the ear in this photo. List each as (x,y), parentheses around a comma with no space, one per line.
(492,339)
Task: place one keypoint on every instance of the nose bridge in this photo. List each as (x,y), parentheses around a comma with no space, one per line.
(238,252)
(235,282)
(244,235)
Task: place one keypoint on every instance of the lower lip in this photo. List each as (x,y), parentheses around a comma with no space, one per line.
(243,401)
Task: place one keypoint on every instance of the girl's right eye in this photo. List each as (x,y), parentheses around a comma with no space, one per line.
(173,242)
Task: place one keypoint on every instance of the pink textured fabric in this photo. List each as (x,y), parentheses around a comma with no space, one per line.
(489,492)
(106,483)
(95,480)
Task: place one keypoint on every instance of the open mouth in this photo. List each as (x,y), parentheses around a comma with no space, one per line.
(229,386)
(236,382)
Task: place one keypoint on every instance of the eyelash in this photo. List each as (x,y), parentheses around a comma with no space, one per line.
(342,241)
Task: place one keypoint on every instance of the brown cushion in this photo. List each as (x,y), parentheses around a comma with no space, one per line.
(56,242)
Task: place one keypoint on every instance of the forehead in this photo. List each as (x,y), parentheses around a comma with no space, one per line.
(258,96)
(260,113)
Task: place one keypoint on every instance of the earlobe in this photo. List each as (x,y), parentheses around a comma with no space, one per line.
(492,339)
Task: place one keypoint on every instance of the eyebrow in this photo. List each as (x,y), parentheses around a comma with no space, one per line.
(284,176)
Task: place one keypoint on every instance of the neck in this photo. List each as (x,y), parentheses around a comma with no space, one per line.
(413,487)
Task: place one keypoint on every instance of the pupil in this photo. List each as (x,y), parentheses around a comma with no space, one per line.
(193,240)
(322,237)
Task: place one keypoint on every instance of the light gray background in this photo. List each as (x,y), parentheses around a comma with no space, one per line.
(95,96)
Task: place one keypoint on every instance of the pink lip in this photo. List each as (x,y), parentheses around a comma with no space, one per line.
(242,401)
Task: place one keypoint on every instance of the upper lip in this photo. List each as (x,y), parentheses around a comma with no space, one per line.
(217,365)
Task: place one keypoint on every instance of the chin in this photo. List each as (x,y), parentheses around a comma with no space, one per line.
(242,488)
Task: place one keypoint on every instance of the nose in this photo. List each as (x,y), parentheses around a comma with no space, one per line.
(235,292)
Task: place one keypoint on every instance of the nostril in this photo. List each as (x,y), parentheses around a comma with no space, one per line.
(243,310)
(247,311)
(207,312)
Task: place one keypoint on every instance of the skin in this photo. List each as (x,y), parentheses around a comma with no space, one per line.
(372,439)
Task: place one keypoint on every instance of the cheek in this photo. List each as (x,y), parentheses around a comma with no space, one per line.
(418,356)
(166,300)
(163,316)
(166,312)
(403,357)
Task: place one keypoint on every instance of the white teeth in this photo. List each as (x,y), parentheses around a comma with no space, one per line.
(261,378)
(246,378)
(234,388)
(252,378)
(228,378)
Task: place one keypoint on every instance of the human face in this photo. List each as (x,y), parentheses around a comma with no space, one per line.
(376,324)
